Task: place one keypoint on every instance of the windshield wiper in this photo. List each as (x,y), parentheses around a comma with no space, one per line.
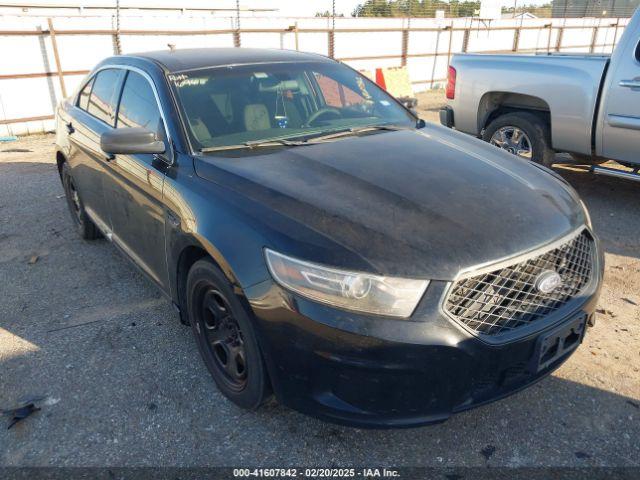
(353,131)
(274,142)
(254,144)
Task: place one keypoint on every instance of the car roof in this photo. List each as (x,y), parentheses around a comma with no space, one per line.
(194,58)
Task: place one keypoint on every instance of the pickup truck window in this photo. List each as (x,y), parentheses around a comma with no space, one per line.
(103,95)
(83,98)
(138,106)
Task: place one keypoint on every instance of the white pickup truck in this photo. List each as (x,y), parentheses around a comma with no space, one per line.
(536,105)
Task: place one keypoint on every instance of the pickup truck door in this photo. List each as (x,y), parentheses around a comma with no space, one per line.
(620,133)
(133,183)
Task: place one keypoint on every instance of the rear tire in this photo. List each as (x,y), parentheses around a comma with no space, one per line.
(225,336)
(534,136)
(85,226)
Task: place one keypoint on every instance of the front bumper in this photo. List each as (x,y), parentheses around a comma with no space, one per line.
(372,372)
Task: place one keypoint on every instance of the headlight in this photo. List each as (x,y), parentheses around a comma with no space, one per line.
(394,297)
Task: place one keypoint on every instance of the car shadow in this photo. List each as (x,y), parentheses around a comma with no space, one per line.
(613,206)
(145,390)
(120,381)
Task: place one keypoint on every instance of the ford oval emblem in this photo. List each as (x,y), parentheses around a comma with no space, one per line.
(548,281)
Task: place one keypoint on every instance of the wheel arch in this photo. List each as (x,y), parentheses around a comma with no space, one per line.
(188,252)
(494,104)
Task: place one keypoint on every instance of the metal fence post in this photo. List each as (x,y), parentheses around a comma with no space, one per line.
(332,44)
(615,34)
(450,28)
(332,32)
(405,46)
(559,39)
(594,37)
(56,56)
(116,36)
(465,39)
(516,39)
(236,35)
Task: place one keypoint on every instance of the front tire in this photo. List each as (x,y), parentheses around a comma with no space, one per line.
(523,134)
(84,225)
(225,336)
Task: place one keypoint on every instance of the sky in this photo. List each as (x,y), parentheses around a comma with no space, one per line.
(308,8)
(286,7)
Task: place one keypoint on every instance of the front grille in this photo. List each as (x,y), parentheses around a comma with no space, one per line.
(507,298)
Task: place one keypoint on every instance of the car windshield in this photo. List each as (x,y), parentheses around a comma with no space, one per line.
(236,105)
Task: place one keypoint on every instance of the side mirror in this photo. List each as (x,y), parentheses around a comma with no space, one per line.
(420,123)
(131,141)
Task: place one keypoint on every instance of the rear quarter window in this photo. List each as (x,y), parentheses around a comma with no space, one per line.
(83,98)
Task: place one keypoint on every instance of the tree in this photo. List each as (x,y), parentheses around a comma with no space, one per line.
(327,13)
(415,8)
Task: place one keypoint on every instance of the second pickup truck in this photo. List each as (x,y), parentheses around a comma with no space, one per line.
(536,105)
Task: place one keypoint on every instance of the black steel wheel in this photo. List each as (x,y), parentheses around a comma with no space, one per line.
(225,336)
(85,226)
(224,339)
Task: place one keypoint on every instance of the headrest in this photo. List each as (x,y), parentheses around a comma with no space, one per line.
(256,117)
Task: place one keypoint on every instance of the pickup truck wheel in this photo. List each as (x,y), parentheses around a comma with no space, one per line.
(225,337)
(85,226)
(523,134)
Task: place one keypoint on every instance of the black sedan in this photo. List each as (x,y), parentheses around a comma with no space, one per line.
(323,243)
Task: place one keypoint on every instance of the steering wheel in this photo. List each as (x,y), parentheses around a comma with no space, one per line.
(322,112)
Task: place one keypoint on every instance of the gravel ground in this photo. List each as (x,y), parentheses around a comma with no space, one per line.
(120,382)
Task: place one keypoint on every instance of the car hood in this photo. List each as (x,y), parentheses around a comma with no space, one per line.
(420,203)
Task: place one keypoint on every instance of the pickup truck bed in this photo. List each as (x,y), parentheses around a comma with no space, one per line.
(537,105)
(569,85)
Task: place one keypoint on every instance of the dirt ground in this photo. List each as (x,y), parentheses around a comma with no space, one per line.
(120,382)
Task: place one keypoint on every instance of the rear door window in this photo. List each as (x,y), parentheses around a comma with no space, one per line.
(104,94)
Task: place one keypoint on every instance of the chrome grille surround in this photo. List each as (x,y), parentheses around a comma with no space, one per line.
(505,298)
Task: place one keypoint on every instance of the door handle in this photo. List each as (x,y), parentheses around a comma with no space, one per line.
(630,83)
(70,128)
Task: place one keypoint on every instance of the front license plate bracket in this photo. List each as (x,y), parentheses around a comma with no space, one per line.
(552,346)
